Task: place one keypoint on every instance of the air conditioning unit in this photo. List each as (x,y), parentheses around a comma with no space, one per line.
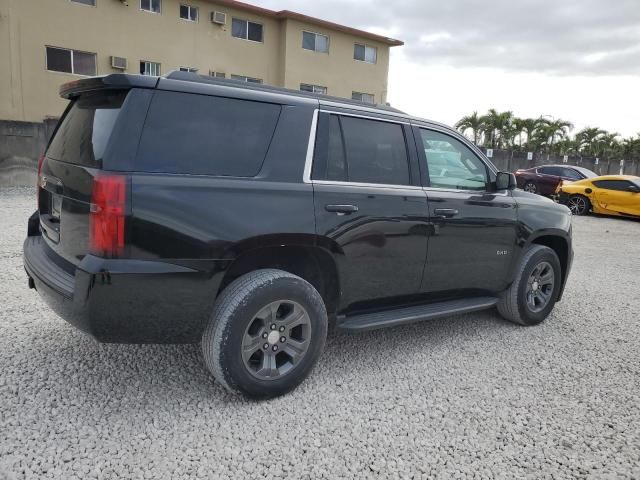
(119,62)
(219,17)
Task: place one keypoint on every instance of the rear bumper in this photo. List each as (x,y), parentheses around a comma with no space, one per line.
(124,301)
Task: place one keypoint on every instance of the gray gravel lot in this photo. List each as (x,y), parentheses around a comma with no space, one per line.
(464,397)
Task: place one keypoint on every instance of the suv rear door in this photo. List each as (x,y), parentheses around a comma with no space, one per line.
(98,131)
(474,228)
(370,210)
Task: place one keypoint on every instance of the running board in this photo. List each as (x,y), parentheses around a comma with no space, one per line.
(401,316)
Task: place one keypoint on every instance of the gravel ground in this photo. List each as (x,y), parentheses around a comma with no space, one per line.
(464,397)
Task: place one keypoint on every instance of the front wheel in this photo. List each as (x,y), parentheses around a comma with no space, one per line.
(267,330)
(579,205)
(533,294)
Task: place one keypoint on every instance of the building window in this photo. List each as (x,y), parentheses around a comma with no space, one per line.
(217,74)
(363,97)
(189,13)
(85,2)
(315,42)
(189,69)
(305,87)
(152,6)
(71,61)
(246,30)
(365,53)
(244,78)
(149,68)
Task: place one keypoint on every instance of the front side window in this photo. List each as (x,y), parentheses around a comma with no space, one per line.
(305,87)
(361,150)
(451,164)
(187,12)
(152,6)
(71,61)
(246,79)
(365,53)
(247,30)
(363,97)
(315,42)
(570,173)
(149,68)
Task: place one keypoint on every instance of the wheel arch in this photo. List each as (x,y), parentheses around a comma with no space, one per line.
(560,244)
(306,260)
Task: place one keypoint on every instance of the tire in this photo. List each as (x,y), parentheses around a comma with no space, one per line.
(514,305)
(530,187)
(579,205)
(242,320)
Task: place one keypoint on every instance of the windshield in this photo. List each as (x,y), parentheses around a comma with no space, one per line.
(586,172)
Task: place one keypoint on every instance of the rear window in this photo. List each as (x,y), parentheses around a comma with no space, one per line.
(205,135)
(84,131)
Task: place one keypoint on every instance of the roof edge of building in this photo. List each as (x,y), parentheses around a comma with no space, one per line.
(285,14)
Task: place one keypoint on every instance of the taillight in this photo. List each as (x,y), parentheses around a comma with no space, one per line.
(40,163)
(108,204)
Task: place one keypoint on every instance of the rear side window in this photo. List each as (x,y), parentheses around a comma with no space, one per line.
(364,151)
(85,129)
(205,135)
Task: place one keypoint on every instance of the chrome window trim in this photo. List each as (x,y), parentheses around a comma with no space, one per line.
(306,175)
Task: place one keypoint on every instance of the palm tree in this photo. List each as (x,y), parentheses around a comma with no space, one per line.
(471,122)
(496,125)
(555,129)
(587,139)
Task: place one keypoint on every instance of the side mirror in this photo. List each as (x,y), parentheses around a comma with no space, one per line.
(633,189)
(505,181)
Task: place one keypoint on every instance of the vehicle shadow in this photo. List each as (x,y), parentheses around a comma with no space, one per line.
(74,363)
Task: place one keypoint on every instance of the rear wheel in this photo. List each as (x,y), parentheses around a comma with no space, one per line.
(267,330)
(579,205)
(533,294)
(530,187)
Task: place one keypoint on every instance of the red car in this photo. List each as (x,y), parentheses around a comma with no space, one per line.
(545,179)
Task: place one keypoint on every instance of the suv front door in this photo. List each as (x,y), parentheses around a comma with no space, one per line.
(371,211)
(474,228)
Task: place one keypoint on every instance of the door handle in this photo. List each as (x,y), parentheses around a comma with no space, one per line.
(341,209)
(445,212)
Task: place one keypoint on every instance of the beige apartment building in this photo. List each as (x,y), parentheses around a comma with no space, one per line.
(44,43)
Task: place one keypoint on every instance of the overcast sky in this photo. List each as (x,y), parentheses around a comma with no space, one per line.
(573,59)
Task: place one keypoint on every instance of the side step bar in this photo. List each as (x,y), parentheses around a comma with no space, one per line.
(401,316)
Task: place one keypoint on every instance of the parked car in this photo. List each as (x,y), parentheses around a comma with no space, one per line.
(545,179)
(608,195)
(246,217)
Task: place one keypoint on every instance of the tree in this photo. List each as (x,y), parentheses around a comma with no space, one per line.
(587,139)
(496,127)
(555,129)
(471,122)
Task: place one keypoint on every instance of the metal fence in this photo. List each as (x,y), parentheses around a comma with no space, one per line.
(509,161)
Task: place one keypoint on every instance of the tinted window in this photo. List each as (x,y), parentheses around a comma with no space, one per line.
(85,129)
(336,168)
(206,135)
(557,171)
(376,151)
(451,164)
(619,185)
(570,173)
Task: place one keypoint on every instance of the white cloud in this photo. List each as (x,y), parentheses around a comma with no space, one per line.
(574,59)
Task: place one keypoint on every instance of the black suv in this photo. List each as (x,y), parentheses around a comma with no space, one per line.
(190,209)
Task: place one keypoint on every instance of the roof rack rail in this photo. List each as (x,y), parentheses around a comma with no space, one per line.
(207,79)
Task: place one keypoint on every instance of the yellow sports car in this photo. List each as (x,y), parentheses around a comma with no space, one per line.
(609,195)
